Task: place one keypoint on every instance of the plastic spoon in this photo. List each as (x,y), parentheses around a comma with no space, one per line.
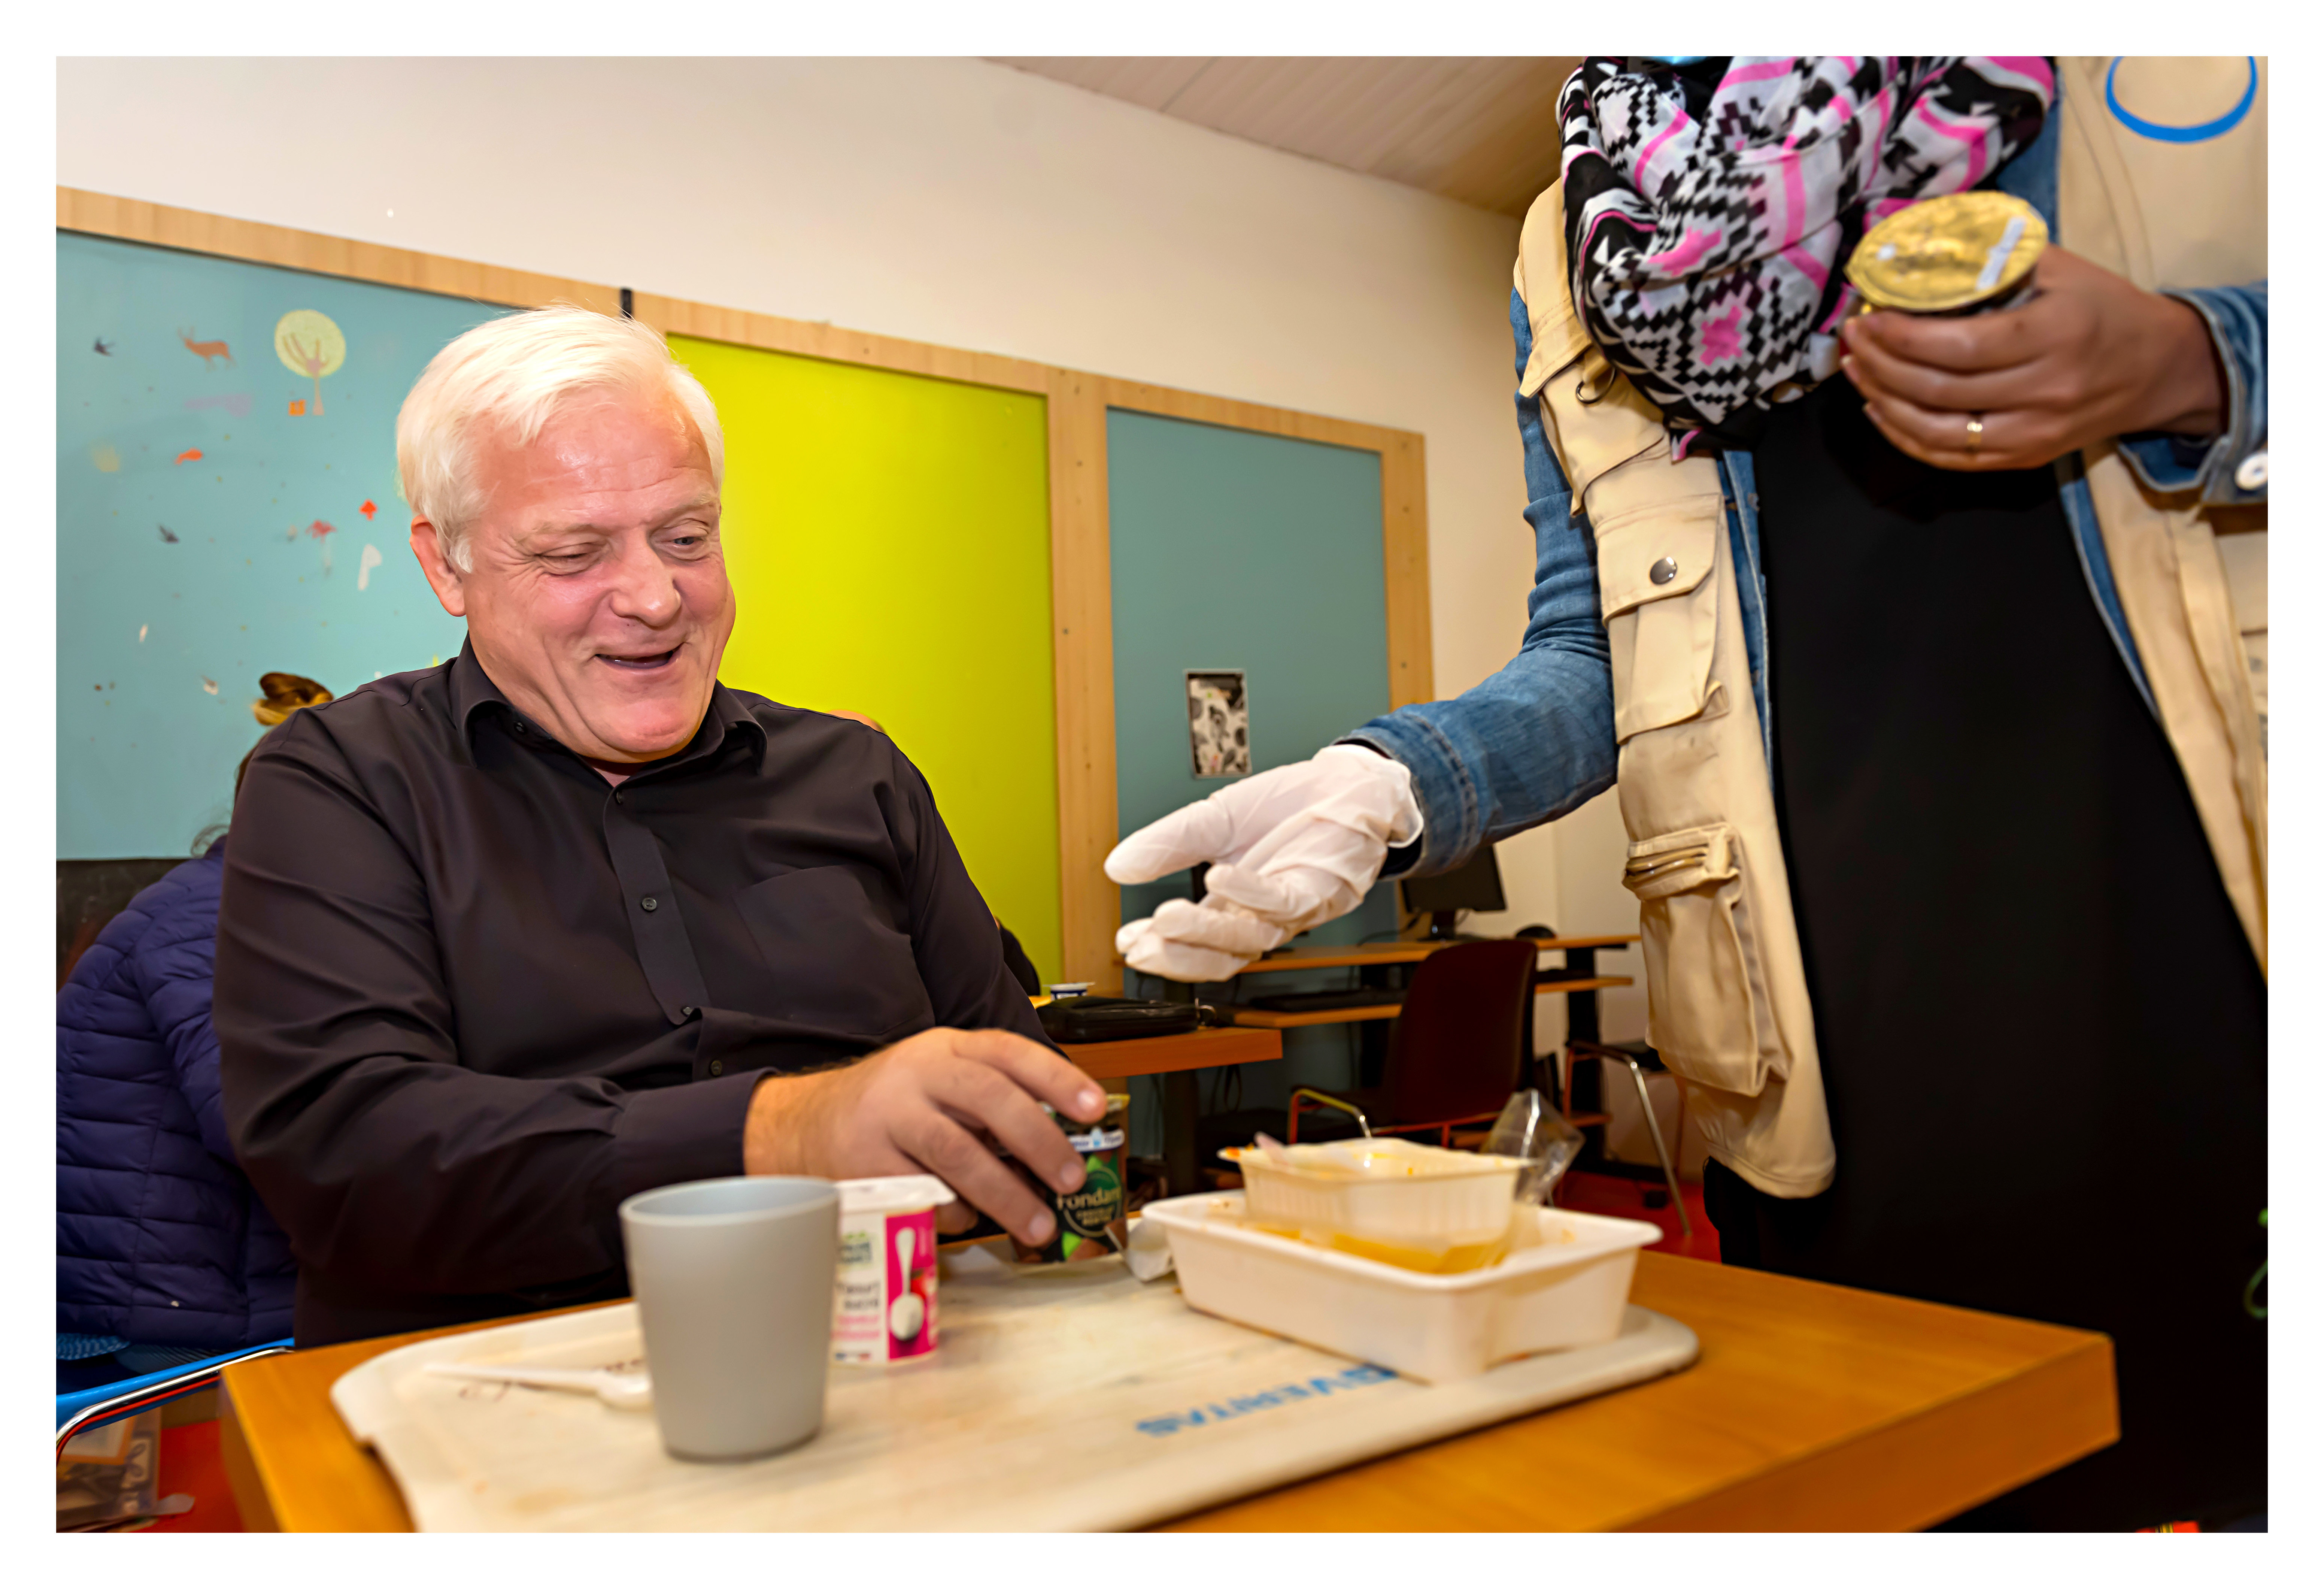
(1274,1151)
(907,1314)
(630,1392)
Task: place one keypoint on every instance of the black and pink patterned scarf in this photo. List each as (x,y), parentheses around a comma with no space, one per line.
(1710,205)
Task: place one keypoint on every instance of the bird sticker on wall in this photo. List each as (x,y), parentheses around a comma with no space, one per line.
(105,347)
(167,535)
(205,351)
(368,509)
(192,454)
(312,344)
(364,564)
(237,403)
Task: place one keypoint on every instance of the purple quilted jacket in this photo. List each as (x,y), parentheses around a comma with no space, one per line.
(160,1240)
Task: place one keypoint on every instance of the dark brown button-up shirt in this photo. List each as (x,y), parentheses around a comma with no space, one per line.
(470,996)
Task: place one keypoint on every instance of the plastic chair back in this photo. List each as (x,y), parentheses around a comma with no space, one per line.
(1458,1048)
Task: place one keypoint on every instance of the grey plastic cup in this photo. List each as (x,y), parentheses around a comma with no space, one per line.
(733,1282)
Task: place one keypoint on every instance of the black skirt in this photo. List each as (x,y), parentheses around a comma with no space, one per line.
(2043,1035)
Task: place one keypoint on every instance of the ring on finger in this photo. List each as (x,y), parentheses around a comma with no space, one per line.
(1975,426)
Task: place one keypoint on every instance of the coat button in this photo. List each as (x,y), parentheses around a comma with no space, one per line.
(1664,570)
(718,1068)
(686,1011)
(2252,472)
(650,903)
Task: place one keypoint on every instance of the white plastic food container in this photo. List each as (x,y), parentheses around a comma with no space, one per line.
(1408,1204)
(1562,1284)
(883,1306)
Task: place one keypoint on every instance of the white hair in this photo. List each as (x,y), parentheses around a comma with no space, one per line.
(509,376)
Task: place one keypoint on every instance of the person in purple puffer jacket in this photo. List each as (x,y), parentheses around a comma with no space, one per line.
(164,1253)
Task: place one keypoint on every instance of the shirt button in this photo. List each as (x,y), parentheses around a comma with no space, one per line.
(1664,570)
(650,903)
(2252,472)
(617,797)
(718,1068)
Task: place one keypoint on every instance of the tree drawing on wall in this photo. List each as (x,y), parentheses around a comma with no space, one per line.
(312,344)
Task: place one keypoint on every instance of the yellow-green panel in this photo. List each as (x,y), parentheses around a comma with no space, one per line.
(889,539)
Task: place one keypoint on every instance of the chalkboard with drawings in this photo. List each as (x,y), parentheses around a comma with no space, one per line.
(227,507)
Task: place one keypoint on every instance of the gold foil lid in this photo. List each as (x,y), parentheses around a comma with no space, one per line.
(1949,254)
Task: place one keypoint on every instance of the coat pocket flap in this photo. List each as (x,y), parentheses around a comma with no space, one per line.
(1675,862)
(1558,340)
(1657,550)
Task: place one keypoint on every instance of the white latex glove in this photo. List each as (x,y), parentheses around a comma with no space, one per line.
(1289,848)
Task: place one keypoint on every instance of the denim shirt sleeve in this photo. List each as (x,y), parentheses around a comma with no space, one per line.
(1536,739)
(2231,468)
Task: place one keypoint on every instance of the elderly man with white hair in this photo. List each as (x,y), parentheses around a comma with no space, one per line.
(504,941)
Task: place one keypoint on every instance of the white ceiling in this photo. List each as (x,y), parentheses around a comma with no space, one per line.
(1483,131)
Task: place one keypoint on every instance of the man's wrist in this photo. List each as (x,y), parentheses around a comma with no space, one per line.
(772,1141)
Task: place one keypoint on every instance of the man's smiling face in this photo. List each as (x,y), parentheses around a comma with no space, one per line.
(596,597)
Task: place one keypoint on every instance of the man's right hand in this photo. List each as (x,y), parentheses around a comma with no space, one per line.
(1289,848)
(928,1103)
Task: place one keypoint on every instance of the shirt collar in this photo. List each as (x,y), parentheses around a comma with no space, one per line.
(473,691)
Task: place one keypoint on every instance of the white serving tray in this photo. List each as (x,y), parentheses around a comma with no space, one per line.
(1563,1285)
(1066,1397)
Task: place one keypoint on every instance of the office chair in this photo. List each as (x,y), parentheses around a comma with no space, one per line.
(1455,1053)
(1638,1058)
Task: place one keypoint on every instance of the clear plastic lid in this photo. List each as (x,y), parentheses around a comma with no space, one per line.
(892,1193)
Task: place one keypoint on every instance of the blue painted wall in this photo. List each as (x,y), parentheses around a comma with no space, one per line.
(145,752)
(1236,550)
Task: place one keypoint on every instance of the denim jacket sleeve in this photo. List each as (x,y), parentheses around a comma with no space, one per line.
(2232,467)
(1536,739)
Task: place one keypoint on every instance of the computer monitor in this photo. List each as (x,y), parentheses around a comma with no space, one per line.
(1473,885)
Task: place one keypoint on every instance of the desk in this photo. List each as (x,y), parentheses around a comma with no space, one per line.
(1403,951)
(1812,1407)
(1577,978)
(1176,1059)
(1390,1007)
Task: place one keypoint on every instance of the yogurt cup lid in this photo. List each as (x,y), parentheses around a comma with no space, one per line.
(1948,253)
(892,1193)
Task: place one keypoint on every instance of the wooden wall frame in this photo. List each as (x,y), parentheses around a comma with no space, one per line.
(1081,588)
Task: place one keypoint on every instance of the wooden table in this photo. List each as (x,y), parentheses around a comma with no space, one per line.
(1404,951)
(1577,979)
(1188,1051)
(1391,1006)
(1176,1059)
(1812,1407)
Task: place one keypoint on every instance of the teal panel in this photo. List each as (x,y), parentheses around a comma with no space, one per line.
(180,582)
(1236,550)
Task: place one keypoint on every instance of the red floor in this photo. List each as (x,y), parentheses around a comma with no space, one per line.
(1606,1193)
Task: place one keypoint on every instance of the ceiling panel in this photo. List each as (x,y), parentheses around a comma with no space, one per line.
(1482,130)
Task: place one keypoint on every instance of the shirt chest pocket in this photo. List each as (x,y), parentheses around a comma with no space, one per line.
(835,963)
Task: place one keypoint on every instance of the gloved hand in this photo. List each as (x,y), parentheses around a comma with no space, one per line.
(1289,848)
